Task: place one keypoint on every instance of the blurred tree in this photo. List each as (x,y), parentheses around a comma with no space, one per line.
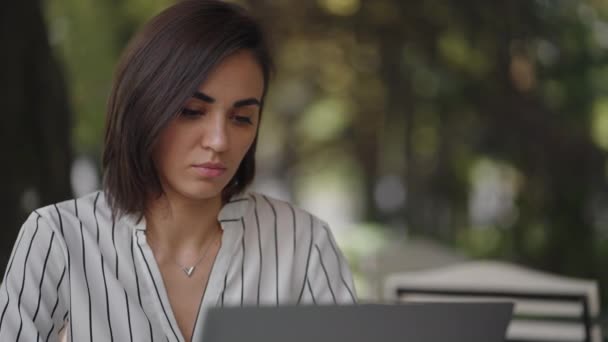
(483,124)
(35,125)
(516,82)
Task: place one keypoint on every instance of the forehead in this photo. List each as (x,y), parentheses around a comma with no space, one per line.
(237,76)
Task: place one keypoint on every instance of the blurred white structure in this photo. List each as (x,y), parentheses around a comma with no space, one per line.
(84,176)
(402,254)
(548,307)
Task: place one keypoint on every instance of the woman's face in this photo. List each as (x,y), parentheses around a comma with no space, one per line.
(200,151)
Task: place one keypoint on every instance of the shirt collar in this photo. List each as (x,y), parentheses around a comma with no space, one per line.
(135,221)
(233,210)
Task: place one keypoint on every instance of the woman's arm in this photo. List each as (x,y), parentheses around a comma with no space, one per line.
(32,294)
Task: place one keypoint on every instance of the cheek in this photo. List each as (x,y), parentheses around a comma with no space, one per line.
(176,140)
(168,149)
(245,144)
(161,160)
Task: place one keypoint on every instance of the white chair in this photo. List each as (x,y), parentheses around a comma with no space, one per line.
(548,307)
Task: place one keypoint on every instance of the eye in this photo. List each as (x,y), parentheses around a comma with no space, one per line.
(187,112)
(242,120)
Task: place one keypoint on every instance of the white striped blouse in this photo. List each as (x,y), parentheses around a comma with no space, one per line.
(73,265)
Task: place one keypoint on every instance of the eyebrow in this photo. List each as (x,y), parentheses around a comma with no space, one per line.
(240,103)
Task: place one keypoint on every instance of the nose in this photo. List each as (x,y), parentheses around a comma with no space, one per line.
(215,132)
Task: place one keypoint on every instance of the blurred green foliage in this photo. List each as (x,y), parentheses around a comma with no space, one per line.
(492,115)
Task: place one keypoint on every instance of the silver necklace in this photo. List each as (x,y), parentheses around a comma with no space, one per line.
(189,270)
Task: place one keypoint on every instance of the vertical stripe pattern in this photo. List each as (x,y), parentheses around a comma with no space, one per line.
(75,263)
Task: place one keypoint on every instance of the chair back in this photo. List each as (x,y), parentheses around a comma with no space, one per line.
(548,307)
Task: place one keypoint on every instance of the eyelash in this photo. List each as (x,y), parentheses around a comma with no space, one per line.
(189,113)
(243,120)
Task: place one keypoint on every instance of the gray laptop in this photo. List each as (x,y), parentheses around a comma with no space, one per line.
(416,322)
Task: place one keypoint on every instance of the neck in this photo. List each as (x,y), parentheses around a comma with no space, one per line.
(178,225)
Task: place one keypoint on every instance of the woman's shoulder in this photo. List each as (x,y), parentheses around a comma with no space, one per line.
(269,212)
(65,214)
(278,207)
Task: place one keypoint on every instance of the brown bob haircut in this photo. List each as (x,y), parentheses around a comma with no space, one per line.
(163,65)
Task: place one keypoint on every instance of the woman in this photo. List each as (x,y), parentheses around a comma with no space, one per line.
(174,232)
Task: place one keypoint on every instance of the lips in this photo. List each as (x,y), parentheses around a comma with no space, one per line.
(210,170)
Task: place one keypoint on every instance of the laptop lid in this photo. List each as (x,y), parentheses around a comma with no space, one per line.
(412,322)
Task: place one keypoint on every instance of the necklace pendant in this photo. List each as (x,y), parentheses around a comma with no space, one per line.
(188,270)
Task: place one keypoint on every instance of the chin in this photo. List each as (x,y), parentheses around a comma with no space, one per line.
(202,192)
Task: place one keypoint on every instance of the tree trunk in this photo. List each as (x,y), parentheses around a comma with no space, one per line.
(35,123)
